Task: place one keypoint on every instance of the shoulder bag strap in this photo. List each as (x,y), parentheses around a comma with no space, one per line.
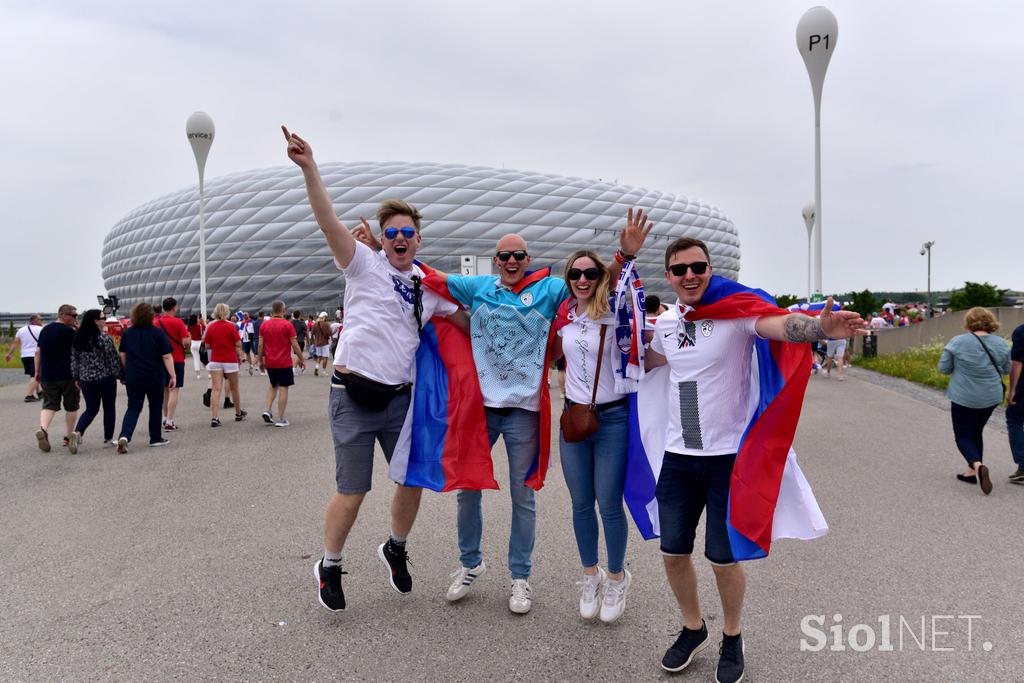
(597,373)
(988,353)
(29,328)
(160,321)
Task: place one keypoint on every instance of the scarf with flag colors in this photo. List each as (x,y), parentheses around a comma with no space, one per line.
(769,496)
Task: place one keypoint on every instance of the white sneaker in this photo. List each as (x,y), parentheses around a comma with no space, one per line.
(462,580)
(520,601)
(281,423)
(590,593)
(615,598)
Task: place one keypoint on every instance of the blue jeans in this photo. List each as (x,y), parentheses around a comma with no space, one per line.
(137,393)
(520,429)
(1015,430)
(595,469)
(96,392)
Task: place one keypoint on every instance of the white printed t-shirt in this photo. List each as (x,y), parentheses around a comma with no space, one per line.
(710,365)
(379,339)
(28,341)
(580,342)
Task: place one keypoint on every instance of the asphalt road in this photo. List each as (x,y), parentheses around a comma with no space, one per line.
(195,562)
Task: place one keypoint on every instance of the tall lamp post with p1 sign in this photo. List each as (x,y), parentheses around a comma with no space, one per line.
(199,129)
(926,248)
(816,36)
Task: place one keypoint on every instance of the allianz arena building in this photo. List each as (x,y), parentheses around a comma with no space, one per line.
(263,244)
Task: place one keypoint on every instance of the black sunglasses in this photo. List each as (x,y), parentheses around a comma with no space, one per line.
(698,268)
(518,255)
(589,273)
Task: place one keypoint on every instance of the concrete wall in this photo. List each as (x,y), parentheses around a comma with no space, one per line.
(941,329)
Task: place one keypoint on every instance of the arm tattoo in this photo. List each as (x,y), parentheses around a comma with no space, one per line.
(803,328)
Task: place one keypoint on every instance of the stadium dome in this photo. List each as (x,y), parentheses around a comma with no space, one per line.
(262,242)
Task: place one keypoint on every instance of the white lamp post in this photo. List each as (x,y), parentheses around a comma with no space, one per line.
(809,215)
(926,248)
(816,36)
(199,129)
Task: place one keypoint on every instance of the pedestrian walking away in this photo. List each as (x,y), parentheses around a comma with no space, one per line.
(148,367)
(96,368)
(371,384)
(53,374)
(277,343)
(976,362)
(225,345)
(1015,405)
(177,334)
(26,339)
(196,328)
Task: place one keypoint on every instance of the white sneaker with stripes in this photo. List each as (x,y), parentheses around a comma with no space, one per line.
(462,581)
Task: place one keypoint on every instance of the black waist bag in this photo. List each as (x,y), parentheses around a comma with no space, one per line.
(369,394)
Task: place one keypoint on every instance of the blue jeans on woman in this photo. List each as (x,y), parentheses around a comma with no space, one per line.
(137,394)
(520,429)
(100,391)
(595,470)
(1015,430)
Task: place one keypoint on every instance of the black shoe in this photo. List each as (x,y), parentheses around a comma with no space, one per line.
(206,397)
(397,560)
(240,415)
(687,645)
(30,399)
(730,660)
(967,478)
(983,480)
(329,581)
(228,403)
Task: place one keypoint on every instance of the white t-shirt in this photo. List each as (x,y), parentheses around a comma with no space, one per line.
(580,342)
(877,323)
(28,341)
(710,364)
(379,340)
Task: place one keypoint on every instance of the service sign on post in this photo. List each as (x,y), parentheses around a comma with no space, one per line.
(468,266)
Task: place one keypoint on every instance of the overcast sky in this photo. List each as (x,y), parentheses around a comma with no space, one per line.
(921,118)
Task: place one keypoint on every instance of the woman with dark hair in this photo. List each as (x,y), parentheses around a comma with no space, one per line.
(595,468)
(977,361)
(148,367)
(96,368)
(196,330)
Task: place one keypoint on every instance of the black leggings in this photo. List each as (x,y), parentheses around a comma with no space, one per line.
(968,424)
(96,392)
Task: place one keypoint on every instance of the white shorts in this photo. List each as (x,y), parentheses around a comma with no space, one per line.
(322,351)
(226,368)
(835,347)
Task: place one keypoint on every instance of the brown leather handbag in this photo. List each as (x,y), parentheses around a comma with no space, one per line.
(580,419)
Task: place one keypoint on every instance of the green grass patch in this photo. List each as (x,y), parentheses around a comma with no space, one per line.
(919,364)
(14,362)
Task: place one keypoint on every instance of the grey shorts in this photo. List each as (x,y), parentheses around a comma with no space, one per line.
(354,430)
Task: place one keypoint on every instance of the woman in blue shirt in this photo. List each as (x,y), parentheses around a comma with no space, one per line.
(977,362)
(148,368)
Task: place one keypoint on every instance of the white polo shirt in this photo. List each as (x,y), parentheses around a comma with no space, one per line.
(710,365)
(379,339)
(29,338)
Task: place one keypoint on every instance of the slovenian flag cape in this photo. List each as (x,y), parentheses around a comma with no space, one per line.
(769,496)
(443,445)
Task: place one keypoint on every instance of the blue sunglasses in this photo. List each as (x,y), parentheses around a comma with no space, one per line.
(408,232)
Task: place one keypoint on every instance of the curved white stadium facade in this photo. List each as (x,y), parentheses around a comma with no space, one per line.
(262,242)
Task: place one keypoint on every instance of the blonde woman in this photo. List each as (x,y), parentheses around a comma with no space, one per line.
(595,468)
(977,362)
(225,349)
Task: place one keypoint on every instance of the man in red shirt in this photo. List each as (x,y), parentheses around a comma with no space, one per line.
(277,344)
(176,331)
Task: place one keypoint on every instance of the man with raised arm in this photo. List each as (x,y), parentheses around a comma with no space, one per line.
(709,339)
(385,307)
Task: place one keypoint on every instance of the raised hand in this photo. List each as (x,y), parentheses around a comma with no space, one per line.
(364,233)
(841,324)
(299,150)
(632,236)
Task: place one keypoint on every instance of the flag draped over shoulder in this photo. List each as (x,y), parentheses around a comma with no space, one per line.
(769,497)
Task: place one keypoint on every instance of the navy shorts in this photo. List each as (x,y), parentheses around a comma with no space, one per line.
(687,484)
(29,364)
(281,377)
(247,347)
(179,376)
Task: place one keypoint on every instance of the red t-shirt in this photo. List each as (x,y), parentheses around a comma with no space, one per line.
(175,330)
(196,331)
(221,337)
(276,336)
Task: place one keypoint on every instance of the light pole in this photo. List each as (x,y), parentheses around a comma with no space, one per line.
(809,215)
(816,35)
(199,129)
(926,248)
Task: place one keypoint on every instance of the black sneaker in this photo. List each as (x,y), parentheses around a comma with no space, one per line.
(228,403)
(730,660)
(687,645)
(329,586)
(240,415)
(397,560)
(1018,476)
(206,397)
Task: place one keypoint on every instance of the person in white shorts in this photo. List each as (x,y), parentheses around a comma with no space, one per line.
(835,354)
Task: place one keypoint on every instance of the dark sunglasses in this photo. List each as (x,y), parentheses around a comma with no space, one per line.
(71,315)
(589,273)
(408,232)
(518,255)
(698,268)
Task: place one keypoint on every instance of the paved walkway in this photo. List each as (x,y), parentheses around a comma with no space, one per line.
(195,562)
